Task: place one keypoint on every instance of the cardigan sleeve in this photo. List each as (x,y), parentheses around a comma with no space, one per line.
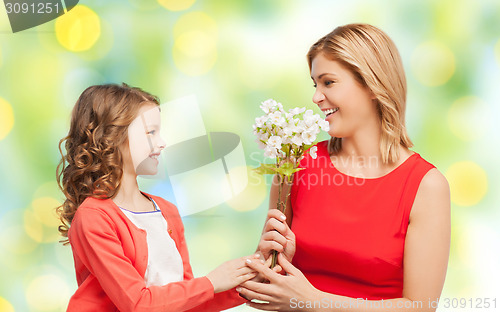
(95,239)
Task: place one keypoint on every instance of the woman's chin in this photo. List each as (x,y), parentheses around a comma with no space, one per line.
(334,134)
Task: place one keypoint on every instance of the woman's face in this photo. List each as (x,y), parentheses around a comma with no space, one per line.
(348,105)
(144,141)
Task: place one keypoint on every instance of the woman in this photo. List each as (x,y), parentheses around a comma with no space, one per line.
(371,218)
(129,247)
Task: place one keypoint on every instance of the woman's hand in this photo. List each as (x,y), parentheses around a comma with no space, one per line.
(277,236)
(232,273)
(282,291)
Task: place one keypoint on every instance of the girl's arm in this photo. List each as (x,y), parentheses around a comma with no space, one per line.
(96,242)
(220,301)
(425,262)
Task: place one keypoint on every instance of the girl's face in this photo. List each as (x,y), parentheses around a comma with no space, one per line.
(348,105)
(144,140)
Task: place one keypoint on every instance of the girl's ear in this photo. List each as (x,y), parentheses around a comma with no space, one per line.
(124,149)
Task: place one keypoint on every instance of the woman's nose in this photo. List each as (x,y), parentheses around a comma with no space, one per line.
(318,96)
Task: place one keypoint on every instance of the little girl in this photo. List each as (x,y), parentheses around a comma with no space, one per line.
(129,248)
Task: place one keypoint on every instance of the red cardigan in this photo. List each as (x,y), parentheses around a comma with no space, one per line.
(110,255)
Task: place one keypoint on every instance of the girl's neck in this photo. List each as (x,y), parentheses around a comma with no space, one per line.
(130,197)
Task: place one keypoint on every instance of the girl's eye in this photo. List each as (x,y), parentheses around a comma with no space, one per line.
(152,132)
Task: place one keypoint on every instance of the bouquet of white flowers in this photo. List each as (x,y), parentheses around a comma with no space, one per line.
(286,137)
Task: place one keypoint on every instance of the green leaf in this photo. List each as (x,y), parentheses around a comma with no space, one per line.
(286,149)
(266,169)
(306,147)
(287,169)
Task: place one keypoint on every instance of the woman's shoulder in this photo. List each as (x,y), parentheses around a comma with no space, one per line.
(433,196)
(420,164)
(433,180)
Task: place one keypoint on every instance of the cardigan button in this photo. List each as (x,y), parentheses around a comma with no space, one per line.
(170,231)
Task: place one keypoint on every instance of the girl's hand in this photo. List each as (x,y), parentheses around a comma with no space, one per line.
(232,273)
(281,291)
(277,236)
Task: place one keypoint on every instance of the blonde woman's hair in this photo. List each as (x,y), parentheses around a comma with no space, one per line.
(375,62)
(92,165)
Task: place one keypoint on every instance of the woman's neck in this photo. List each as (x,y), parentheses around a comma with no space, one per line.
(360,155)
(364,144)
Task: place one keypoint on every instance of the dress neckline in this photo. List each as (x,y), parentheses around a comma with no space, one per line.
(406,161)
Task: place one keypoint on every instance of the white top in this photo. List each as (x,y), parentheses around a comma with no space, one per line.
(164,261)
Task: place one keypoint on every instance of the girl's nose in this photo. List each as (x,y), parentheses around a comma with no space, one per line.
(161,143)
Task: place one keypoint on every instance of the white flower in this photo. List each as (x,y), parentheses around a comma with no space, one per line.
(275,141)
(270,152)
(300,126)
(309,118)
(278,130)
(287,140)
(288,131)
(314,128)
(297,140)
(324,125)
(276,118)
(297,110)
(267,105)
(313,152)
(308,137)
(260,144)
(260,121)
(263,136)
(308,113)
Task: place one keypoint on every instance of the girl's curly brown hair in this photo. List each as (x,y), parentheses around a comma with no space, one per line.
(93,163)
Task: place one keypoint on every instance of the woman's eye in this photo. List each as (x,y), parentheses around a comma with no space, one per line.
(152,132)
(329,82)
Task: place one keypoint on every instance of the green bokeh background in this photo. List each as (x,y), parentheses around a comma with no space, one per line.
(232,55)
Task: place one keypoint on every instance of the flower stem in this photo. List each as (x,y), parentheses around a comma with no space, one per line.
(281,205)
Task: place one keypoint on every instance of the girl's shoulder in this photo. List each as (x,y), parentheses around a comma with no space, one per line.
(95,215)
(92,203)
(95,209)
(168,209)
(163,203)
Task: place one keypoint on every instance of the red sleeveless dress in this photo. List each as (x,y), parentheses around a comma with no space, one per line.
(350,232)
